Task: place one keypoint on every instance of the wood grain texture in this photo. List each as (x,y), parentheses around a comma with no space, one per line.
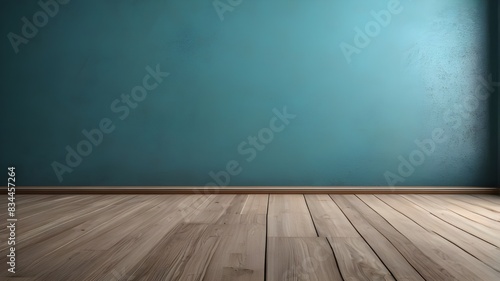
(242,234)
(357,261)
(472,206)
(454,259)
(471,216)
(471,244)
(240,253)
(492,198)
(289,217)
(328,218)
(255,204)
(478,201)
(127,238)
(388,252)
(182,255)
(483,232)
(300,258)
(254,237)
(416,256)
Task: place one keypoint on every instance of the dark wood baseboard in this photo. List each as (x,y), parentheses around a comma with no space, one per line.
(253,190)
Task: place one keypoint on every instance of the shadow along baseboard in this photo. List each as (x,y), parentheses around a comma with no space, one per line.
(254,190)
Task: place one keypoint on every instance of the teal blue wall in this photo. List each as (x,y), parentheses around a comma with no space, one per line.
(494,8)
(357,118)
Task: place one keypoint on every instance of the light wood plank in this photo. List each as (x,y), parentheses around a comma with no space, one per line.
(237,214)
(223,237)
(289,217)
(412,253)
(211,211)
(474,246)
(256,204)
(477,201)
(439,202)
(129,251)
(28,201)
(440,250)
(48,228)
(472,207)
(478,230)
(24,202)
(357,261)
(30,219)
(182,255)
(308,258)
(127,254)
(106,232)
(242,233)
(393,259)
(239,255)
(328,218)
(495,199)
(185,253)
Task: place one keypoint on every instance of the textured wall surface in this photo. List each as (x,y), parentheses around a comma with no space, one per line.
(393,97)
(495,63)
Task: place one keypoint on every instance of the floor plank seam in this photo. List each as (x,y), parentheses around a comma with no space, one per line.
(335,257)
(438,234)
(267,238)
(460,229)
(373,250)
(390,241)
(467,252)
(310,214)
(448,223)
(451,201)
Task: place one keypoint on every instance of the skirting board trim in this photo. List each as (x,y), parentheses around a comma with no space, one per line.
(253,190)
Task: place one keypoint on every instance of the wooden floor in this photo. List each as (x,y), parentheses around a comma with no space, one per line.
(255,237)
